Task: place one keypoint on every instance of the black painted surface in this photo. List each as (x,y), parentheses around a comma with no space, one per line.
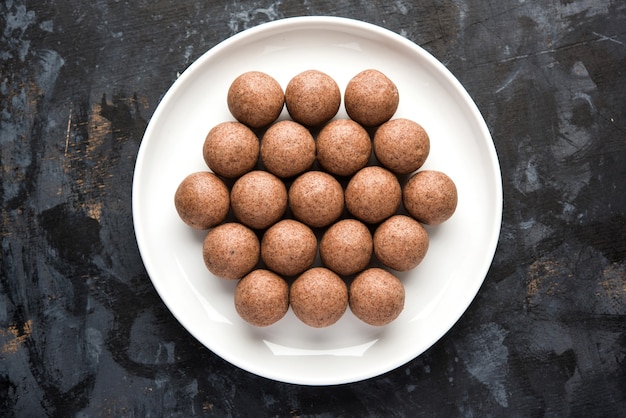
(82,330)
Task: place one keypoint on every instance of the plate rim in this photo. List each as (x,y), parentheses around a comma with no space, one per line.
(340,24)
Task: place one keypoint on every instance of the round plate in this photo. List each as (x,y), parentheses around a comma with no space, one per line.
(438,291)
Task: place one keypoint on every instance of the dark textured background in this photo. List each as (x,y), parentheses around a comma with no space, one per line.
(83,332)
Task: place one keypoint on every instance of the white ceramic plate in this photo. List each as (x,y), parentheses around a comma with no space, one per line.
(438,291)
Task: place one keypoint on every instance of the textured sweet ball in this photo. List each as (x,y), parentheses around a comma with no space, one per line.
(400,243)
(288,247)
(287,149)
(258,199)
(318,297)
(262,298)
(376,297)
(373,194)
(346,247)
(231,250)
(401,145)
(430,197)
(316,198)
(255,99)
(343,147)
(202,200)
(231,149)
(371,98)
(312,98)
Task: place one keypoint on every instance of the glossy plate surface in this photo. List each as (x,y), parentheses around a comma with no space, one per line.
(438,291)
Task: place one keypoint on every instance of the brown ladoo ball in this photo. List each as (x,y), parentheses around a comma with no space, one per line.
(287,149)
(255,99)
(231,250)
(318,297)
(430,197)
(289,247)
(231,149)
(346,247)
(258,199)
(202,200)
(343,147)
(371,98)
(400,243)
(262,298)
(373,194)
(316,198)
(312,98)
(376,297)
(401,145)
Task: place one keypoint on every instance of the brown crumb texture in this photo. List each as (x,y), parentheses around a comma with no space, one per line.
(400,243)
(316,198)
(231,149)
(231,250)
(202,200)
(262,298)
(287,149)
(319,297)
(373,194)
(289,247)
(430,197)
(371,98)
(346,247)
(258,199)
(255,99)
(401,145)
(343,147)
(376,297)
(312,98)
